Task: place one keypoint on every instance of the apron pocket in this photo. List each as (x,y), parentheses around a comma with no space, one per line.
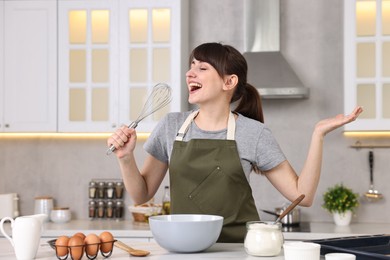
(209,197)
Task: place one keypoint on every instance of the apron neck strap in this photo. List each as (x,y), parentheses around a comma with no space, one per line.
(231,128)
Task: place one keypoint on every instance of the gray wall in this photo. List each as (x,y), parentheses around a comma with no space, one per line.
(311,40)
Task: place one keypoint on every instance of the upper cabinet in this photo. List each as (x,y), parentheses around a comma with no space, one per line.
(367,62)
(112,53)
(28,66)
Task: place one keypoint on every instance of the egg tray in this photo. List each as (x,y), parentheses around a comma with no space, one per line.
(52,244)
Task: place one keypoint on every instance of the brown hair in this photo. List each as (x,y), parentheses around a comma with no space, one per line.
(227,61)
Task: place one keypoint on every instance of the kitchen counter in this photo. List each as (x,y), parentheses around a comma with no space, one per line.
(141,232)
(138,235)
(218,251)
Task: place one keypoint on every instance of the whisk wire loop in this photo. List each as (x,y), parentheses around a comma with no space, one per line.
(160,96)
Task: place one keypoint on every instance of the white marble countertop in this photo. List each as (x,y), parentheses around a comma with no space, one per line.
(139,235)
(134,230)
(217,251)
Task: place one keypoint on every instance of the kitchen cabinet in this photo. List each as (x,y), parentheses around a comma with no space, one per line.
(111,54)
(367,62)
(28,65)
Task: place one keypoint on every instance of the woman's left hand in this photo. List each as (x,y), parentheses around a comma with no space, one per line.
(327,125)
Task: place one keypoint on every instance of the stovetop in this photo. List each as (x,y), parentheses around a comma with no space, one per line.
(301,227)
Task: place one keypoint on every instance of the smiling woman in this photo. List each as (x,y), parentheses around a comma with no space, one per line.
(211,151)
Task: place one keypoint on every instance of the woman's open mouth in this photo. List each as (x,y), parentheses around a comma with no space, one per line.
(193,87)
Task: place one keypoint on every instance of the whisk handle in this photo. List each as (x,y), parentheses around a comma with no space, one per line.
(112,147)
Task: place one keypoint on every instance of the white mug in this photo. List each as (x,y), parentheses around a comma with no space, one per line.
(26,234)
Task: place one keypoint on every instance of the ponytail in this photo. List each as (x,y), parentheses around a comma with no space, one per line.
(250,103)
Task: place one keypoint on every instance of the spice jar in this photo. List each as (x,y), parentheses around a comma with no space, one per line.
(92,209)
(110,190)
(92,189)
(119,190)
(100,190)
(263,238)
(110,209)
(100,209)
(119,209)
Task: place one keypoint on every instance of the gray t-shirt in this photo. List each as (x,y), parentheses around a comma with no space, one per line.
(255,142)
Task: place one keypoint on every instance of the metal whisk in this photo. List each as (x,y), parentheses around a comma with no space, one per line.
(159,98)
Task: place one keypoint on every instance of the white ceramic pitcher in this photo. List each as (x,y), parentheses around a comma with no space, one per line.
(26,234)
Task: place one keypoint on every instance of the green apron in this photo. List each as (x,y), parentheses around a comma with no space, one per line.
(206,177)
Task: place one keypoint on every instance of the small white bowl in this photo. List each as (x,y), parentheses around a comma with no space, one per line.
(60,215)
(340,256)
(301,250)
(186,233)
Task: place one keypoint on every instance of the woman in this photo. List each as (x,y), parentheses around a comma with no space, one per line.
(211,151)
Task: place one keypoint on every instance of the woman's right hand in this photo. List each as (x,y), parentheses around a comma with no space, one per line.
(124,139)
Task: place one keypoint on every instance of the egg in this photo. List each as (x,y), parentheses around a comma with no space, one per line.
(76,245)
(105,238)
(92,244)
(80,234)
(62,246)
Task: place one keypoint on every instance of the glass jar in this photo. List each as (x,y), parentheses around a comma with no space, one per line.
(92,209)
(110,190)
(92,189)
(119,190)
(101,189)
(263,238)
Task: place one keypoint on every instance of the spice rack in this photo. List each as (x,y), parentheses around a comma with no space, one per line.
(106,199)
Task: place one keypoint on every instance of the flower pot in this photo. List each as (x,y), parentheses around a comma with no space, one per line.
(342,218)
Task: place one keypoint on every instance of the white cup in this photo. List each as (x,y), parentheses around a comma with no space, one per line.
(340,256)
(301,251)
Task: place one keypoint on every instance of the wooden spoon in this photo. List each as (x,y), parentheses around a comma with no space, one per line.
(130,250)
(291,207)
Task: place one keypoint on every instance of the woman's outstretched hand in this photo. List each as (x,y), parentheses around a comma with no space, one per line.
(327,125)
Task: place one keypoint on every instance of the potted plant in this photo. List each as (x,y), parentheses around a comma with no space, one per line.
(341,202)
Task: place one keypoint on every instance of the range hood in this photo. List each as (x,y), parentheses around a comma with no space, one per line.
(268,70)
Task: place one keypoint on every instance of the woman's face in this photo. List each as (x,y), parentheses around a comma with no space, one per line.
(203,82)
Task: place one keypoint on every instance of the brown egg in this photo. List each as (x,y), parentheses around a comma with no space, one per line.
(80,234)
(104,238)
(62,246)
(76,245)
(92,244)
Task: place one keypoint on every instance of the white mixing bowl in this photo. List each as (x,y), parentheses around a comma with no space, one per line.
(185,233)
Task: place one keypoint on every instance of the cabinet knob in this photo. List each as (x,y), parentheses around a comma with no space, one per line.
(6,125)
(113,125)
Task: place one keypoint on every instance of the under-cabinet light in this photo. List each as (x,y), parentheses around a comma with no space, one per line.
(373,134)
(140,136)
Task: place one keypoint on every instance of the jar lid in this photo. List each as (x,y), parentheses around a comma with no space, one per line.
(60,208)
(44,198)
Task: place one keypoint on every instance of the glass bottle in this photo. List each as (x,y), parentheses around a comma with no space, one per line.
(92,209)
(100,209)
(100,190)
(92,189)
(263,238)
(110,190)
(119,209)
(166,201)
(110,209)
(119,190)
